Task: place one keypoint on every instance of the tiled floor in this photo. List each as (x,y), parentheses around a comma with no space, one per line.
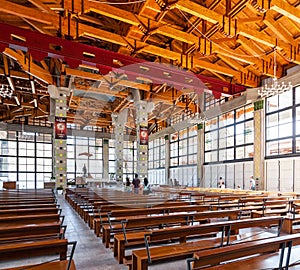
(90,254)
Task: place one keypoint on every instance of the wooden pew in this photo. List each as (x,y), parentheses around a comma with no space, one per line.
(27,249)
(142,222)
(272,207)
(293,218)
(29,211)
(10,201)
(24,206)
(103,212)
(131,239)
(58,265)
(23,232)
(29,219)
(213,257)
(143,257)
(137,222)
(31,249)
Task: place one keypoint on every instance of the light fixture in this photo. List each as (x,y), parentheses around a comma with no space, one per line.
(275,88)
(6,91)
(32,86)
(17,100)
(35,103)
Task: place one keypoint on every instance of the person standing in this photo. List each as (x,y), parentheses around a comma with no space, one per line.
(220,182)
(222,185)
(127,185)
(84,170)
(146,189)
(252,183)
(136,183)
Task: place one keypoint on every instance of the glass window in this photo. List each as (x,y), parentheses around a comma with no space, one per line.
(281,125)
(230,140)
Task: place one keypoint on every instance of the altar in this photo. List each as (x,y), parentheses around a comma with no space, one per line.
(96,182)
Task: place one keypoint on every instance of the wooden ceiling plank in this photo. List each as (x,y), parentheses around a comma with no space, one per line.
(36,27)
(101,90)
(278,30)
(113,12)
(34,69)
(176,34)
(232,63)
(199,11)
(40,5)
(85,30)
(28,13)
(242,29)
(98,77)
(286,9)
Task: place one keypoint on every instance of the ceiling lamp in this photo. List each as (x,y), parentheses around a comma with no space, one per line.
(275,88)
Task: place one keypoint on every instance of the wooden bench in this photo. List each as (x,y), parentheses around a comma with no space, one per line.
(31,232)
(138,222)
(29,219)
(30,249)
(214,257)
(273,207)
(106,212)
(29,211)
(292,219)
(142,258)
(58,265)
(24,206)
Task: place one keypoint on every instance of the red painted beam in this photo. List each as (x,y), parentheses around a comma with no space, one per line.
(41,45)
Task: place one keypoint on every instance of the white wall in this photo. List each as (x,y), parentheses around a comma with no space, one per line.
(234,174)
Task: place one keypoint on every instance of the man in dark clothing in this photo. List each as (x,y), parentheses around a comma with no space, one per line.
(136,183)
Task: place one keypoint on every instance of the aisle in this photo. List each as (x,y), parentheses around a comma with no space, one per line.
(90,254)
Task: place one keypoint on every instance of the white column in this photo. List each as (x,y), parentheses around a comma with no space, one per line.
(259,145)
(119,121)
(105,156)
(167,159)
(142,138)
(59,96)
(200,155)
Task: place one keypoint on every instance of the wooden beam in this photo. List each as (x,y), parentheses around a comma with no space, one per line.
(231,29)
(28,13)
(286,9)
(98,77)
(44,8)
(278,30)
(29,66)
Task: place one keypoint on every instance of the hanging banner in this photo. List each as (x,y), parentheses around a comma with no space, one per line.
(60,127)
(143,135)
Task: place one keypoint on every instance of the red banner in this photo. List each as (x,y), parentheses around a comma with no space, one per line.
(60,128)
(143,135)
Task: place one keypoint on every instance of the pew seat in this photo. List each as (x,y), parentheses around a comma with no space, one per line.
(59,265)
(239,252)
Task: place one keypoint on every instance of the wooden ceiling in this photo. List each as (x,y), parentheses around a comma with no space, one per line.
(233,41)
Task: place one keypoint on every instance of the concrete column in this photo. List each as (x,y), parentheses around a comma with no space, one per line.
(105,156)
(59,101)
(259,145)
(167,159)
(119,123)
(200,155)
(119,136)
(142,138)
(200,143)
